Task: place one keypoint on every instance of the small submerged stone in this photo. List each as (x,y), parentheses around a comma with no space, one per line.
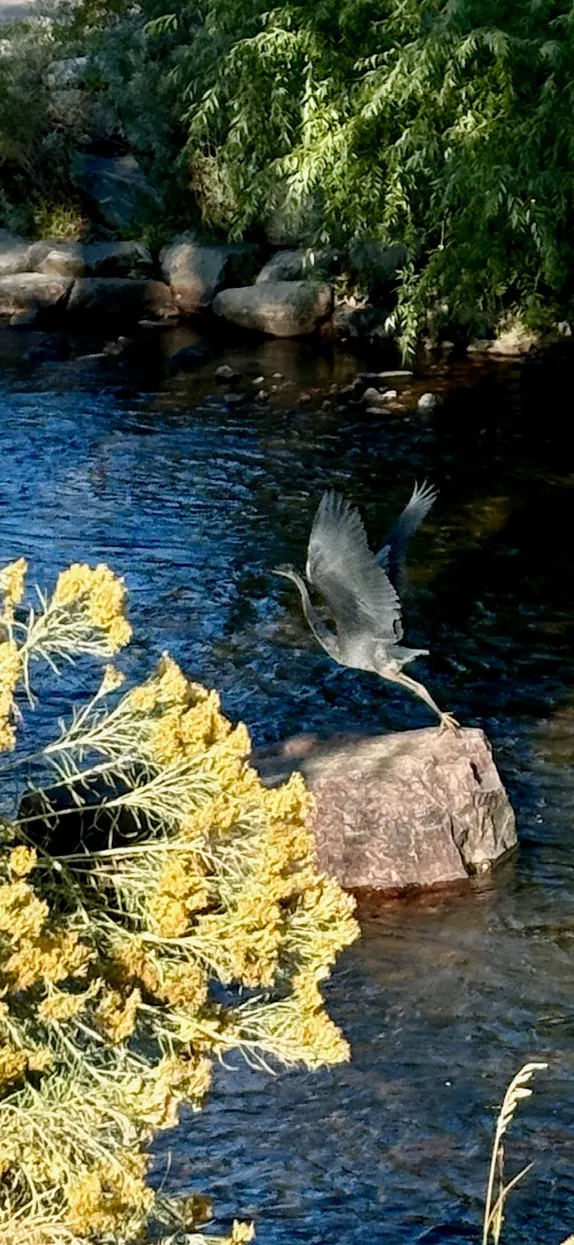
(428,402)
(224,372)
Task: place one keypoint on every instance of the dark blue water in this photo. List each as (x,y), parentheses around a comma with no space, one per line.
(195,501)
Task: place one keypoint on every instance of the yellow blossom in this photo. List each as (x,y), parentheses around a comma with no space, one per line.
(49,958)
(143,699)
(12,579)
(13,1064)
(131,963)
(119,633)
(40,1060)
(173,687)
(22,914)
(72,584)
(99,595)
(7,737)
(100,1198)
(242,1232)
(112,680)
(184,985)
(117,1015)
(61,1005)
(10,670)
(22,860)
(169,916)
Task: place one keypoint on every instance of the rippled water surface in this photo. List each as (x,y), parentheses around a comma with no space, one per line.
(194,501)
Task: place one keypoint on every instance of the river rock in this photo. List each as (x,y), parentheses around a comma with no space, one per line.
(14,254)
(117,185)
(120,298)
(411,809)
(196,271)
(105,259)
(283,266)
(32,291)
(281,308)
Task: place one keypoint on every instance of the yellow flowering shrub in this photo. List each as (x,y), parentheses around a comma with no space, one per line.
(148,865)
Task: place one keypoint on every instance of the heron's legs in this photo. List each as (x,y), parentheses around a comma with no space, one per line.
(447,722)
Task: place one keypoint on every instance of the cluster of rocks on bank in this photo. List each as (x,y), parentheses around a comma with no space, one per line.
(125,282)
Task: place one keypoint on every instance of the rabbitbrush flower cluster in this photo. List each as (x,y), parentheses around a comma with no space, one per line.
(146,863)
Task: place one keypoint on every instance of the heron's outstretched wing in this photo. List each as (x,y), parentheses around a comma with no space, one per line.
(343,568)
(392,556)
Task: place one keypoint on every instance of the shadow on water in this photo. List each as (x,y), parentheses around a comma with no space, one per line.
(194,500)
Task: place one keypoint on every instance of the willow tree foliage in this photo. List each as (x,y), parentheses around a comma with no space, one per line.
(445,126)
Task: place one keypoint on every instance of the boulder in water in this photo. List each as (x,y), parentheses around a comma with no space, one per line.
(119,298)
(412,809)
(281,308)
(196,270)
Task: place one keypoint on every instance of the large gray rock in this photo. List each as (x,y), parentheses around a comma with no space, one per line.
(281,308)
(283,266)
(14,254)
(118,186)
(32,291)
(120,298)
(295,265)
(396,811)
(105,259)
(196,271)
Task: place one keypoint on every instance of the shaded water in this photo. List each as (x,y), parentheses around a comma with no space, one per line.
(194,501)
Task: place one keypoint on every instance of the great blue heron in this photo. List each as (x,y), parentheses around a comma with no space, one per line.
(361,591)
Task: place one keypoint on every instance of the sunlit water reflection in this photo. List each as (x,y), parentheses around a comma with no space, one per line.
(195,502)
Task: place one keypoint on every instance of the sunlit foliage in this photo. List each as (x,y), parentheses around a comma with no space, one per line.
(159,908)
(446,125)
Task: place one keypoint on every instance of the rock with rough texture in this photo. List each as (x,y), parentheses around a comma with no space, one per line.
(33,291)
(296,265)
(197,271)
(415,808)
(14,254)
(428,402)
(117,185)
(94,259)
(283,266)
(281,308)
(368,324)
(119,298)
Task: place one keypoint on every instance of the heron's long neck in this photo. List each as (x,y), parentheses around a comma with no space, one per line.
(325,637)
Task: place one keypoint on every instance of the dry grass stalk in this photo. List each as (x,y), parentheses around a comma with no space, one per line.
(494,1213)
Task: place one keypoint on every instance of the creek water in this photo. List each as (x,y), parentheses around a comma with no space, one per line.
(195,500)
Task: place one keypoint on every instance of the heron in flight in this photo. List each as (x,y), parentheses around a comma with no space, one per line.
(361,591)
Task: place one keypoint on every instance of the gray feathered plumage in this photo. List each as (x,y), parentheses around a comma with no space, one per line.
(361,590)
